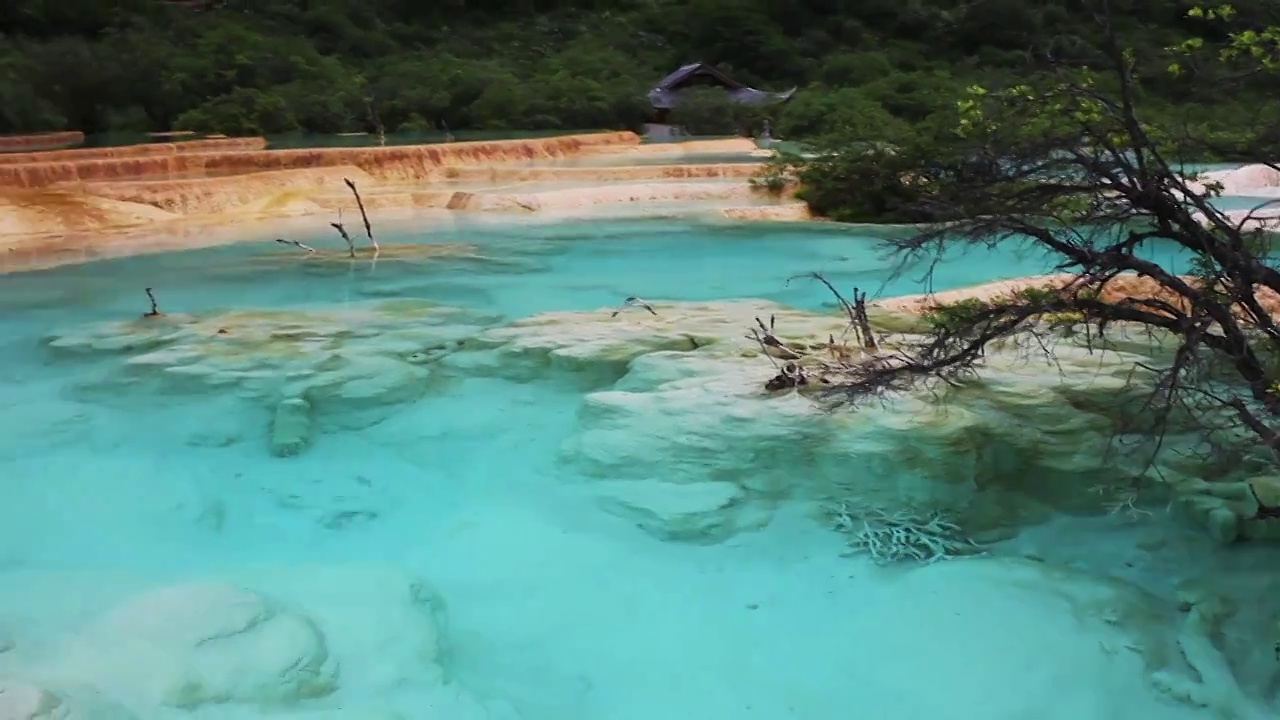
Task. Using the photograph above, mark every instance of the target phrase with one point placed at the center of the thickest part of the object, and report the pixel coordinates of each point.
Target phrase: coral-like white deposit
(905, 535)
(291, 642)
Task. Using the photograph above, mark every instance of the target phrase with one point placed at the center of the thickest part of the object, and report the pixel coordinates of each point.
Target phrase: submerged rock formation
(594, 340)
(347, 364)
(1233, 511)
(1201, 673)
(679, 396)
(699, 512)
(191, 645)
(369, 641)
(24, 700)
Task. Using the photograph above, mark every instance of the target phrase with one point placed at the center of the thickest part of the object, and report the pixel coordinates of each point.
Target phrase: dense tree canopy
(871, 67)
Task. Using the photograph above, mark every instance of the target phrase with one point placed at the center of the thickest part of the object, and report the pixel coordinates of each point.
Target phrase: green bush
(711, 112)
(241, 112)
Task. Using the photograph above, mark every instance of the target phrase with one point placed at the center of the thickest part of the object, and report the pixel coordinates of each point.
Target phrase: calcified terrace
(64, 205)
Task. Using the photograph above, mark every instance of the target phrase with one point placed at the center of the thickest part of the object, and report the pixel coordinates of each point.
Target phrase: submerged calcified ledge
(678, 388)
(676, 435)
(320, 641)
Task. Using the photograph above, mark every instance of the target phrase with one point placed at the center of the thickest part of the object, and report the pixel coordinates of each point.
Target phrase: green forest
(873, 67)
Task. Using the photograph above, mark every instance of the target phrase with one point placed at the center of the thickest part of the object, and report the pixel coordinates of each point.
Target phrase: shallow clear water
(1244, 202)
(556, 608)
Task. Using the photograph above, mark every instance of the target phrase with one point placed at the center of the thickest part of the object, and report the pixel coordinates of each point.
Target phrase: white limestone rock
(703, 415)
(385, 627)
(705, 512)
(334, 640)
(1228, 510)
(352, 355)
(580, 341)
(1261, 530)
(1212, 682)
(24, 700)
(190, 645)
(388, 630)
(695, 416)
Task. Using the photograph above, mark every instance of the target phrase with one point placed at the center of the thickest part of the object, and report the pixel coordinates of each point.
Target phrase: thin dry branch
(342, 230)
(301, 246)
(155, 309)
(376, 121)
(368, 229)
(856, 310)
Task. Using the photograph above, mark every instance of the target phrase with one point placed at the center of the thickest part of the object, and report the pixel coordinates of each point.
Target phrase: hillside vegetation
(873, 67)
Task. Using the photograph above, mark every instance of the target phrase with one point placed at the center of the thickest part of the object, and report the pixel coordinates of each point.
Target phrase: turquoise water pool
(457, 502)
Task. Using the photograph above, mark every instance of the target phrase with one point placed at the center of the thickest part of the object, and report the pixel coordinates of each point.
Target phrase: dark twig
(155, 309)
(863, 322)
(856, 310)
(342, 230)
(368, 230)
(634, 302)
(767, 340)
(377, 122)
(755, 335)
(789, 376)
(296, 244)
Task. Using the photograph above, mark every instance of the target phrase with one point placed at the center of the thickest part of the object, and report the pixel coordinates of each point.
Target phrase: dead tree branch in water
(368, 229)
(376, 121)
(791, 374)
(295, 243)
(768, 340)
(342, 230)
(864, 322)
(155, 310)
(856, 310)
